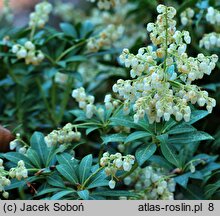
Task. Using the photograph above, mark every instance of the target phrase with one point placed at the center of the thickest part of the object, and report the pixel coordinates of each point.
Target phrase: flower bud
(112, 184)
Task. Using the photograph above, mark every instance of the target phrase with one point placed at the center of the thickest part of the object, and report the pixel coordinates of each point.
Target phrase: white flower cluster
(164, 89)
(19, 172)
(28, 52)
(105, 38)
(41, 15)
(210, 41)
(85, 102)
(151, 184)
(213, 16)
(4, 181)
(110, 103)
(107, 4)
(62, 136)
(18, 145)
(186, 16)
(115, 162)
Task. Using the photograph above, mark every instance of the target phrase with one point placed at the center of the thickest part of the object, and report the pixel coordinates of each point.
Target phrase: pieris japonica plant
(165, 89)
(84, 132)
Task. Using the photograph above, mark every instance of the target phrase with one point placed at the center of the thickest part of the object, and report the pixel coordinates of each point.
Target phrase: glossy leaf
(137, 135)
(85, 168)
(144, 152)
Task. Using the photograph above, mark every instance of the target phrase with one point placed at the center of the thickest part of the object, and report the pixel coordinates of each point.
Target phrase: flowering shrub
(101, 112)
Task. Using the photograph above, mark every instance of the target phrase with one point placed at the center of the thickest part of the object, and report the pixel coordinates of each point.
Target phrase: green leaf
(190, 137)
(113, 193)
(61, 194)
(210, 189)
(35, 159)
(197, 175)
(21, 184)
(123, 122)
(144, 152)
(55, 180)
(47, 191)
(38, 144)
(137, 135)
(197, 115)
(168, 125)
(183, 179)
(77, 112)
(52, 151)
(181, 128)
(114, 138)
(194, 192)
(84, 194)
(15, 157)
(67, 173)
(66, 159)
(16, 184)
(68, 29)
(85, 168)
(160, 161)
(168, 151)
(204, 158)
(91, 129)
(86, 28)
(77, 58)
(99, 180)
(209, 168)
